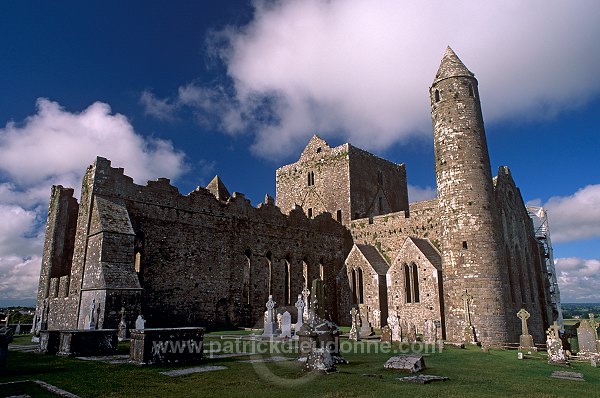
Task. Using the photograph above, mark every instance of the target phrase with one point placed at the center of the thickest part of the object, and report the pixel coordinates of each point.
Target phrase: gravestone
(406, 363)
(306, 295)
(91, 324)
(525, 340)
(556, 354)
(270, 326)
(18, 328)
(411, 332)
(386, 334)
(286, 325)
(122, 329)
(140, 323)
(365, 325)
(319, 337)
(278, 321)
(430, 332)
(354, 330)
(587, 337)
(300, 307)
(394, 324)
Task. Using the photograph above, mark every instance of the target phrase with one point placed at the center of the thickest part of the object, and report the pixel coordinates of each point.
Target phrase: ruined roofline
(109, 178)
(347, 147)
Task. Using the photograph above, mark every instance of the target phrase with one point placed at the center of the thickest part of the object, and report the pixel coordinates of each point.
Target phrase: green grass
(472, 373)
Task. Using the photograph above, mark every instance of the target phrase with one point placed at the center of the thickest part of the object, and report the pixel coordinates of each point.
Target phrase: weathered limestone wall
(410, 309)
(377, 186)
(201, 261)
(527, 284)
(345, 181)
(327, 191)
(471, 240)
(57, 256)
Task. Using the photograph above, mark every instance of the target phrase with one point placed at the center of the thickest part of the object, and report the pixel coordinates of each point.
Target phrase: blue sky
(188, 90)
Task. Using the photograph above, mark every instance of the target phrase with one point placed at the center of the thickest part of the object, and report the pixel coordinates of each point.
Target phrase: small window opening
(311, 178)
(339, 216)
(310, 212)
(319, 150)
(138, 262)
(465, 245)
(380, 177)
(470, 90)
(437, 95)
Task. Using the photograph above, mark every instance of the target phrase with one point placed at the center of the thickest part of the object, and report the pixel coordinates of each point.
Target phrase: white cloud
(418, 194)
(361, 69)
(55, 146)
(158, 108)
(578, 279)
(575, 216)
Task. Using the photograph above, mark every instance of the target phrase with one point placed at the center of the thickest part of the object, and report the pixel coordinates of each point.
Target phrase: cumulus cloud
(575, 216)
(418, 194)
(578, 279)
(360, 69)
(54, 146)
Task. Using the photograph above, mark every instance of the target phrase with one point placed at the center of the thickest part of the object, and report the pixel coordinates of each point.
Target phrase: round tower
(474, 302)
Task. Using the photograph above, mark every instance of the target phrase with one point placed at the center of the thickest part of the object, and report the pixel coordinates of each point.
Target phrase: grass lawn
(472, 373)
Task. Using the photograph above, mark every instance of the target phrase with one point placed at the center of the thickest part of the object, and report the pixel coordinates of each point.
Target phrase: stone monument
(376, 318)
(300, 307)
(306, 295)
(122, 329)
(91, 325)
(354, 332)
(525, 340)
(587, 336)
(394, 324)
(365, 325)
(286, 325)
(556, 354)
(270, 325)
(140, 323)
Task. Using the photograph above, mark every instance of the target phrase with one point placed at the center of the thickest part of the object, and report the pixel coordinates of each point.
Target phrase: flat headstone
(406, 363)
(267, 359)
(423, 379)
(559, 374)
(197, 369)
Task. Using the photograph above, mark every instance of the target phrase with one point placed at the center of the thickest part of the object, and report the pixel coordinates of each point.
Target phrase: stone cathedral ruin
(467, 260)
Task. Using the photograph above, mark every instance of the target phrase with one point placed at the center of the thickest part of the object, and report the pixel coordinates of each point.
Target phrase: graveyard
(472, 372)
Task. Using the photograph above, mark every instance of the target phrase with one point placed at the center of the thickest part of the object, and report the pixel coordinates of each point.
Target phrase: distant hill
(5, 303)
(580, 310)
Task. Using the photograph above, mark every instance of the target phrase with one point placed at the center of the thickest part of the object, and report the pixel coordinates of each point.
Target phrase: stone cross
(91, 324)
(466, 300)
(300, 306)
(523, 315)
(306, 295)
(270, 326)
(555, 330)
(270, 305)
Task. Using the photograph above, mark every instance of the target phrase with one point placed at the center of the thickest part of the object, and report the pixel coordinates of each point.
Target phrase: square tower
(345, 181)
